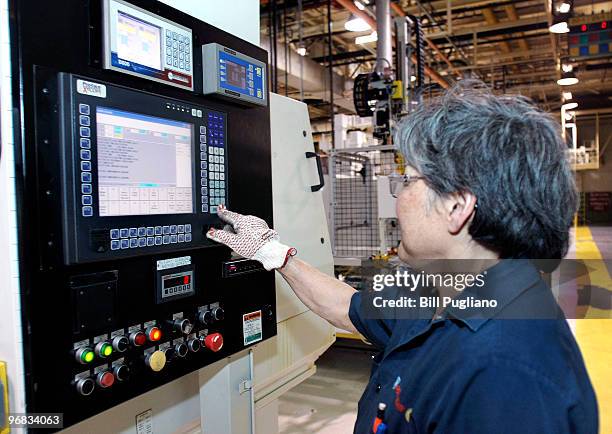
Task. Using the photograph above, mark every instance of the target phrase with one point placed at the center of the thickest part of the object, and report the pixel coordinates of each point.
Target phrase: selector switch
(103, 349)
(181, 349)
(85, 386)
(182, 326)
(218, 313)
(105, 379)
(120, 343)
(214, 342)
(138, 339)
(205, 317)
(194, 345)
(121, 372)
(156, 360)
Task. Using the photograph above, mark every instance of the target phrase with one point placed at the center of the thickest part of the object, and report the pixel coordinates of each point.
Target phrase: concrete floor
(326, 403)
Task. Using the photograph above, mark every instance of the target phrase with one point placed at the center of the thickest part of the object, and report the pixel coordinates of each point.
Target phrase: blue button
(158, 230)
(142, 242)
(204, 182)
(202, 155)
(86, 199)
(133, 243)
(203, 165)
(150, 231)
(203, 173)
(166, 239)
(204, 206)
(188, 227)
(114, 234)
(173, 238)
(187, 238)
(150, 241)
(166, 230)
(84, 109)
(86, 166)
(173, 229)
(87, 211)
(158, 240)
(125, 233)
(85, 143)
(133, 232)
(86, 188)
(125, 243)
(180, 229)
(84, 120)
(115, 245)
(142, 232)
(85, 154)
(181, 238)
(85, 132)
(86, 177)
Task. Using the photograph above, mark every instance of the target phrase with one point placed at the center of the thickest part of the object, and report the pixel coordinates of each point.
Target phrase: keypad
(178, 51)
(132, 238)
(212, 164)
(85, 163)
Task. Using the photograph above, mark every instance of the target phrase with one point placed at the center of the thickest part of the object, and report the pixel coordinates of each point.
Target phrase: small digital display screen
(138, 41)
(144, 164)
(236, 74)
(171, 282)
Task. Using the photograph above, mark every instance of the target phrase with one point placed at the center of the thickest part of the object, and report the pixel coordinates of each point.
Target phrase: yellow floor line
(594, 336)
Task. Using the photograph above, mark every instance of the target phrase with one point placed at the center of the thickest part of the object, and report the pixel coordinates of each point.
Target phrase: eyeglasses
(397, 182)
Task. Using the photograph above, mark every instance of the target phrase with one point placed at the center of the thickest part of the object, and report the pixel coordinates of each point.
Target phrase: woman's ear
(460, 207)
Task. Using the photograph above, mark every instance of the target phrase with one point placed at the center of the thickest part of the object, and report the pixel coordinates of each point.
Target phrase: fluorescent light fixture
(567, 67)
(356, 24)
(570, 105)
(567, 81)
(359, 5)
(372, 37)
(565, 7)
(301, 51)
(559, 27)
(567, 96)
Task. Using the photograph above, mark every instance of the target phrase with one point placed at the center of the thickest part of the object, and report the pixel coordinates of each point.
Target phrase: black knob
(182, 325)
(85, 386)
(218, 313)
(181, 349)
(194, 345)
(122, 372)
(120, 343)
(205, 317)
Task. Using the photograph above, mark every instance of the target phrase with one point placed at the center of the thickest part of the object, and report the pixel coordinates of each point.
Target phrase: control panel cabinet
(122, 160)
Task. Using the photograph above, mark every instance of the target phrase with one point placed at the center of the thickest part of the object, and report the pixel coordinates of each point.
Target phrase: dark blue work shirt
(471, 375)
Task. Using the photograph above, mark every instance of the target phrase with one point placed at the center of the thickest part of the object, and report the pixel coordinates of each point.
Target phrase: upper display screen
(144, 164)
(138, 41)
(236, 74)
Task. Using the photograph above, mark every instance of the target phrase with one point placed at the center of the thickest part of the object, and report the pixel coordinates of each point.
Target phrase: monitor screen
(236, 74)
(144, 164)
(138, 41)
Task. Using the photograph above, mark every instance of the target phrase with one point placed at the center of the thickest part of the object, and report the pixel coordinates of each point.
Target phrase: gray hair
(506, 152)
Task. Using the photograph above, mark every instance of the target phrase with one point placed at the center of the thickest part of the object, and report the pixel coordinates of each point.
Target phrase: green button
(106, 350)
(88, 356)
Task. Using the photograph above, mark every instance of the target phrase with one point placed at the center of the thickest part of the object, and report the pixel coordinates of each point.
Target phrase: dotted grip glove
(250, 237)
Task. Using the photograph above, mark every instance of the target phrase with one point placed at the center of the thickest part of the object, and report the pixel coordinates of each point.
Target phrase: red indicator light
(154, 333)
(186, 280)
(140, 339)
(604, 25)
(583, 27)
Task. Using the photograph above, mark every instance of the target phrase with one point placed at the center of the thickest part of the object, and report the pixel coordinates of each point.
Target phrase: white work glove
(250, 237)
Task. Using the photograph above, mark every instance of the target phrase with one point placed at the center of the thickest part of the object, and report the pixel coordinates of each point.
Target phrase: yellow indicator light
(107, 350)
(88, 356)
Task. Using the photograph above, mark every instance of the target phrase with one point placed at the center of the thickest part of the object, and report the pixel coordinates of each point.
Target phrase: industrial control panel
(124, 155)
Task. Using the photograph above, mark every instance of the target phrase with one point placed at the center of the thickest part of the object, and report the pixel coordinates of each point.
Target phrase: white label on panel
(173, 262)
(91, 89)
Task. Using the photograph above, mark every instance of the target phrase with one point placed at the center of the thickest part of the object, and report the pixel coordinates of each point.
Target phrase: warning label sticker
(251, 327)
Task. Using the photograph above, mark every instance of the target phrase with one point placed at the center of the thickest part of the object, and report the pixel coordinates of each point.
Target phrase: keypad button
(169, 60)
(188, 227)
(84, 120)
(84, 109)
(158, 230)
(203, 165)
(115, 245)
(222, 184)
(142, 232)
(222, 176)
(204, 199)
(221, 160)
(221, 151)
(166, 230)
(85, 132)
(202, 129)
(158, 240)
(125, 233)
(173, 229)
(86, 166)
(142, 242)
(210, 159)
(114, 234)
(133, 232)
(212, 201)
(133, 243)
(166, 239)
(181, 238)
(180, 229)
(204, 191)
(150, 241)
(125, 243)
(205, 207)
(86, 199)
(85, 154)
(203, 173)
(216, 151)
(85, 143)
(86, 177)
(175, 63)
(203, 182)
(187, 238)
(150, 231)
(202, 147)
(173, 239)
(222, 201)
(202, 138)
(213, 210)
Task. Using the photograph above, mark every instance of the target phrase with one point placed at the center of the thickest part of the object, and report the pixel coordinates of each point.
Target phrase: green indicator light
(87, 356)
(107, 350)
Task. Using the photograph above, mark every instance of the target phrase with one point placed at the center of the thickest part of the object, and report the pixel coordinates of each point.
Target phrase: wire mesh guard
(357, 231)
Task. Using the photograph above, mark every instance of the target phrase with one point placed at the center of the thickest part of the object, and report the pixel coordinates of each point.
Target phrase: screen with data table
(144, 164)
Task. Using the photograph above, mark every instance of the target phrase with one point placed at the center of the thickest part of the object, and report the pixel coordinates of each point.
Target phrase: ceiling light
(413, 78)
(567, 96)
(570, 105)
(565, 7)
(567, 79)
(356, 24)
(560, 27)
(301, 51)
(359, 5)
(567, 67)
(372, 37)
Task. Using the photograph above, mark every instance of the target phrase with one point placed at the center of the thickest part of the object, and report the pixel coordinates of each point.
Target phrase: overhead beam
(537, 22)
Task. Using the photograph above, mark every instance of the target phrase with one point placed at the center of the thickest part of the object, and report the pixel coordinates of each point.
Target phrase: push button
(156, 361)
(87, 211)
(125, 233)
(85, 143)
(114, 234)
(84, 109)
(105, 379)
(85, 386)
(115, 245)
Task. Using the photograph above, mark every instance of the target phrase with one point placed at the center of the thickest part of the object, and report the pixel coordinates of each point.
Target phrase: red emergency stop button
(105, 379)
(214, 342)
